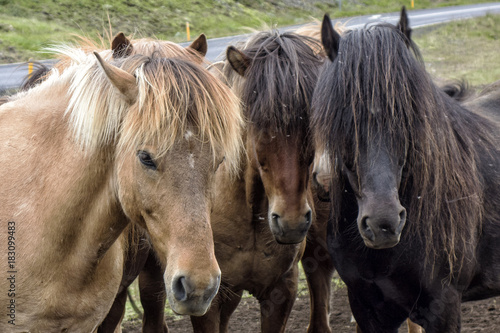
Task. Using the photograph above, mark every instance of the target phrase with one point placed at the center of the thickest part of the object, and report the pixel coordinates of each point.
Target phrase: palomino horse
(99, 145)
(415, 188)
(139, 255)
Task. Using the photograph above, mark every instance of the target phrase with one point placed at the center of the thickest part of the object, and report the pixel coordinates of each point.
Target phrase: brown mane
(270, 83)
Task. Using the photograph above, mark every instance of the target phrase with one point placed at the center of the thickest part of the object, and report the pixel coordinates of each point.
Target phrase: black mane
(377, 86)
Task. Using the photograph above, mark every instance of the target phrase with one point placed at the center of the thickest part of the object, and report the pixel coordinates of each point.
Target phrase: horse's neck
(61, 198)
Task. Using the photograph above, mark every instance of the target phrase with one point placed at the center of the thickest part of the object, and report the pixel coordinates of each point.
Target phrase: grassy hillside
(28, 26)
(463, 49)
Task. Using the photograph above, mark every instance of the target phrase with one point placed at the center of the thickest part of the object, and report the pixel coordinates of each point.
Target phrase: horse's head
(275, 78)
(361, 124)
(168, 194)
(375, 180)
(177, 126)
(283, 166)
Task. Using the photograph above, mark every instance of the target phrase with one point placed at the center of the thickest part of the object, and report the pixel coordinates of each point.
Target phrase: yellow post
(412, 3)
(30, 68)
(187, 31)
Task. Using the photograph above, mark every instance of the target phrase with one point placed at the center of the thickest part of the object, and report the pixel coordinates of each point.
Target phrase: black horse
(415, 221)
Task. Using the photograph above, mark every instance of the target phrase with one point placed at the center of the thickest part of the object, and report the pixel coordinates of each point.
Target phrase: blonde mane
(174, 95)
(144, 46)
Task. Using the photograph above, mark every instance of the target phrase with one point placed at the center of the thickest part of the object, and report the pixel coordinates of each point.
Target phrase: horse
(487, 99)
(140, 258)
(415, 193)
(89, 151)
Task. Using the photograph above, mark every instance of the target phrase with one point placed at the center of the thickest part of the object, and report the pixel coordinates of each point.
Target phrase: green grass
(24, 38)
(463, 49)
(28, 26)
(354, 8)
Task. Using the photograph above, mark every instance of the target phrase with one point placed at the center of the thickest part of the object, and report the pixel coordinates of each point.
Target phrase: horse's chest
(385, 281)
(254, 258)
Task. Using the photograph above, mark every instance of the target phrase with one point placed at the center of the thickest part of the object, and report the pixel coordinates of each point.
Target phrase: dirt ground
(480, 316)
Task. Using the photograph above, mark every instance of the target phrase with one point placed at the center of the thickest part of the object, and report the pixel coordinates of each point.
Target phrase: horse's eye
(218, 165)
(146, 159)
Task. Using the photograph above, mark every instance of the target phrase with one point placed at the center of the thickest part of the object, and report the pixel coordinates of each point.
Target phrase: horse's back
(487, 102)
(487, 282)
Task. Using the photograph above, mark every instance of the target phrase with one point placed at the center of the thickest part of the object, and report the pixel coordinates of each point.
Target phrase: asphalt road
(12, 75)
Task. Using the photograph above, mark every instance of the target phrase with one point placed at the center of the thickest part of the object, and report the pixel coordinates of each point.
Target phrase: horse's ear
(239, 61)
(199, 45)
(330, 38)
(123, 81)
(121, 46)
(404, 26)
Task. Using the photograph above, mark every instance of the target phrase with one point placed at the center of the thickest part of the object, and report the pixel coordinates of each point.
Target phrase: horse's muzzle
(186, 297)
(382, 232)
(286, 232)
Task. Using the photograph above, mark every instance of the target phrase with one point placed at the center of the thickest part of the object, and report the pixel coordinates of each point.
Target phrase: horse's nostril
(365, 229)
(364, 224)
(181, 288)
(308, 217)
(275, 218)
(402, 215)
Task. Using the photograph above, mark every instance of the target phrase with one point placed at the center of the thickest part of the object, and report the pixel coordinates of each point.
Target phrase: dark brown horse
(415, 221)
(270, 204)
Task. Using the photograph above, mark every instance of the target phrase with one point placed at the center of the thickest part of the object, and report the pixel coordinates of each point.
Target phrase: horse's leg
(152, 290)
(210, 321)
(276, 304)
(442, 314)
(231, 301)
(319, 269)
(115, 315)
(412, 327)
(136, 256)
(365, 323)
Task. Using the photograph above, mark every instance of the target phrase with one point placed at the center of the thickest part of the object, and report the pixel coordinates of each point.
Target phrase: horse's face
(170, 196)
(375, 181)
(283, 165)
